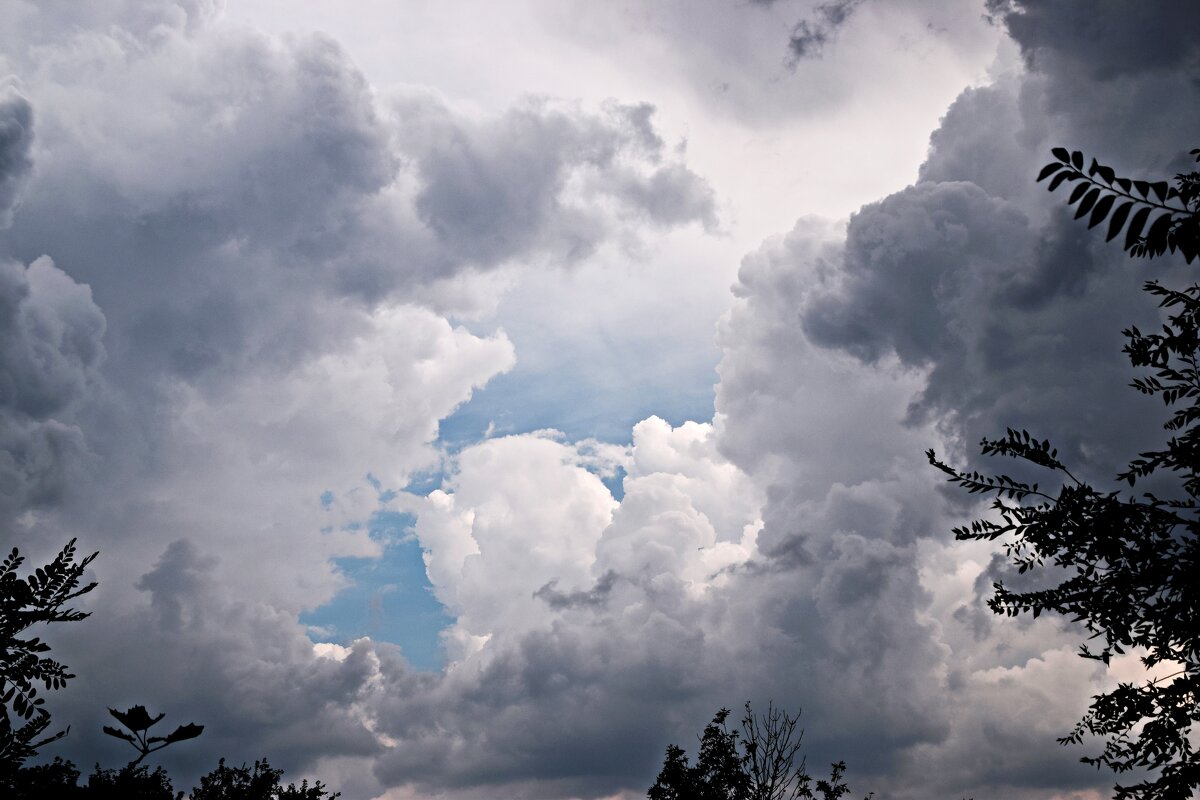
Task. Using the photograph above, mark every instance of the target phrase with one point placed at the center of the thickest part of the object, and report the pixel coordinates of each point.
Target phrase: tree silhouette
(25, 602)
(759, 762)
(1133, 562)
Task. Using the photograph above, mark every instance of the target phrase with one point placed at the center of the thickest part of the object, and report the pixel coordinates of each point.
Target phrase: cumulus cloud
(265, 236)
(575, 614)
(490, 192)
(237, 332)
(953, 308)
(50, 352)
(243, 669)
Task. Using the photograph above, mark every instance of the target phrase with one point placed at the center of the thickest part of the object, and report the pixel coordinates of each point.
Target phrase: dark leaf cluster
(27, 601)
(258, 783)
(59, 780)
(1100, 194)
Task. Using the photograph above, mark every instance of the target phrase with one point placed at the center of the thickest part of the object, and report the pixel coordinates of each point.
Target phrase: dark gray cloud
(217, 233)
(596, 596)
(496, 191)
(1118, 78)
(16, 138)
(809, 36)
(671, 195)
(1013, 307)
(238, 667)
(50, 353)
(1010, 321)
(1105, 40)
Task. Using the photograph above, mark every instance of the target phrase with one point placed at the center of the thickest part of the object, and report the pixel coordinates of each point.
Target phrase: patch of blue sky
(583, 401)
(389, 598)
(424, 482)
(615, 483)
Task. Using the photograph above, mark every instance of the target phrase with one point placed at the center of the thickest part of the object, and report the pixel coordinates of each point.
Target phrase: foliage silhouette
(40, 597)
(1133, 563)
(139, 722)
(261, 783)
(25, 602)
(1131, 203)
(759, 762)
(57, 779)
(131, 782)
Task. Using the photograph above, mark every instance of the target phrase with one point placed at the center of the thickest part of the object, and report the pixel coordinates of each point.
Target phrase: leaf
(1160, 188)
(1047, 171)
(1086, 204)
(189, 731)
(1143, 187)
(1061, 154)
(1101, 210)
(1077, 159)
(136, 718)
(119, 734)
(1118, 221)
(1065, 175)
(1156, 237)
(1135, 227)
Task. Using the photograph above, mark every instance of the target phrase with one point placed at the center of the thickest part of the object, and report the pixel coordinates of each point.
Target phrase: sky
(468, 399)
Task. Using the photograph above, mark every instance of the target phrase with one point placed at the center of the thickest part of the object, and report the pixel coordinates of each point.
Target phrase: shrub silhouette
(131, 782)
(259, 783)
(759, 762)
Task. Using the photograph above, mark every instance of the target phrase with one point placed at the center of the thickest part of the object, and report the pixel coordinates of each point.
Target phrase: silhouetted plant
(259, 783)
(139, 722)
(25, 602)
(40, 597)
(1100, 192)
(57, 780)
(757, 763)
(131, 782)
(1133, 563)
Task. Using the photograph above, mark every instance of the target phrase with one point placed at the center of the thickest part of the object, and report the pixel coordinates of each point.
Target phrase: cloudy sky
(468, 399)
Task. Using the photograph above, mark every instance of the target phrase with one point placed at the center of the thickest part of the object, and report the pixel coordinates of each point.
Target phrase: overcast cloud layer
(247, 284)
